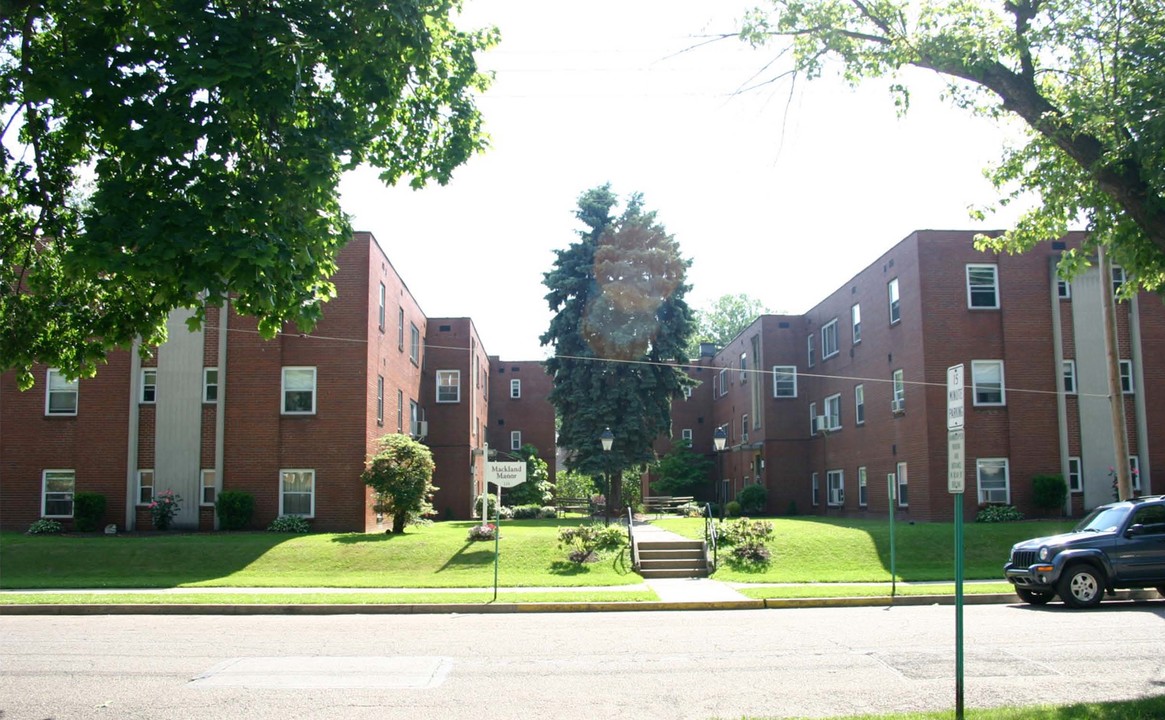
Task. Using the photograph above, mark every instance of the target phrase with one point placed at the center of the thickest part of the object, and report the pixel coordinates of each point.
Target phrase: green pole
(890, 481)
(958, 606)
(497, 540)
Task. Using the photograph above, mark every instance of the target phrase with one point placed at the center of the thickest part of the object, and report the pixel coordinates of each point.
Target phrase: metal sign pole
(956, 484)
(891, 479)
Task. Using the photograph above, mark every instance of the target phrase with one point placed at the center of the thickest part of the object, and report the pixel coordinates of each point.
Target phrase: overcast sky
(783, 192)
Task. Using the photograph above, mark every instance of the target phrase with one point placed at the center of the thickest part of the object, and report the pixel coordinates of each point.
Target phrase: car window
(1152, 517)
(1104, 519)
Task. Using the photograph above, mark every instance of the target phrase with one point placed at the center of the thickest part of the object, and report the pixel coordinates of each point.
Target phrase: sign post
(956, 484)
(502, 474)
(891, 482)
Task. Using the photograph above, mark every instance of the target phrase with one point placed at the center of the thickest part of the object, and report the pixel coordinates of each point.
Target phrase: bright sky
(783, 193)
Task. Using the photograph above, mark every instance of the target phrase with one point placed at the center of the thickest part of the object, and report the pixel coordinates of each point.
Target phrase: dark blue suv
(1119, 545)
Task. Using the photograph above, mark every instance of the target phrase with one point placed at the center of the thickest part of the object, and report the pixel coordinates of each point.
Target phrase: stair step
(686, 573)
(696, 554)
(673, 562)
(670, 545)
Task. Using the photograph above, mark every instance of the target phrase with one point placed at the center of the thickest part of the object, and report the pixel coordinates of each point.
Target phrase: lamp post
(719, 438)
(608, 439)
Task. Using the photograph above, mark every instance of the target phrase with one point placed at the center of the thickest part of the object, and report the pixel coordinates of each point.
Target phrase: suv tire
(1034, 597)
(1081, 586)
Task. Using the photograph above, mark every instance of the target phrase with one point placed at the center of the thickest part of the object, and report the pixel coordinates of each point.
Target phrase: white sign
(955, 397)
(956, 462)
(505, 474)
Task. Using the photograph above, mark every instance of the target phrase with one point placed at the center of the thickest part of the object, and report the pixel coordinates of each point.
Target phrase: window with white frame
(743, 368)
(149, 387)
(210, 385)
(414, 419)
(400, 411)
(809, 350)
(992, 476)
(57, 489)
(892, 296)
(515, 439)
(60, 395)
(859, 404)
(855, 317)
(1069, 371)
(400, 328)
(1075, 479)
(1126, 367)
(687, 392)
(987, 382)
(1135, 472)
(785, 381)
(723, 380)
(380, 400)
(982, 287)
(145, 487)
(902, 481)
(863, 491)
(835, 485)
(898, 401)
(1118, 278)
(299, 390)
(833, 412)
(744, 428)
(812, 418)
(686, 434)
(380, 312)
(448, 386)
(414, 344)
(829, 339)
(207, 487)
(515, 388)
(816, 491)
(297, 492)
(1063, 289)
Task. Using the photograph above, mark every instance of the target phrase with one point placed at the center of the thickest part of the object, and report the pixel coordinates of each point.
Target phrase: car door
(1141, 551)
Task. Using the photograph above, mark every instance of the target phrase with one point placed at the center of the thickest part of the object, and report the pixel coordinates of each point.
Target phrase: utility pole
(1116, 399)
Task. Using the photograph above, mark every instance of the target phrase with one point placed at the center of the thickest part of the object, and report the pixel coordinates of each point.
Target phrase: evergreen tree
(620, 323)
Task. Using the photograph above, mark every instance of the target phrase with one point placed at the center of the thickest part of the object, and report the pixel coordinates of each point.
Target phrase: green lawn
(1150, 708)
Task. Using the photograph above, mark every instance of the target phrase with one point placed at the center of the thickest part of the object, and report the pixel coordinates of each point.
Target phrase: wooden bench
(576, 505)
(665, 504)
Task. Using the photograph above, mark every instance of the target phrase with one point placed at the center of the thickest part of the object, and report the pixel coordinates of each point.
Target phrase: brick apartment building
(871, 360)
(520, 411)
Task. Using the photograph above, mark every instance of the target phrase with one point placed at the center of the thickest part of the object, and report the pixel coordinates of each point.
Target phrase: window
(744, 428)
(414, 419)
(812, 418)
(785, 381)
(686, 434)
(1069, 371)
(902, 480)
(145, 487)
(743, 368)
(892, 292)
(993, 482)
(400, 329)
(987, 382)
(809, 350)
(1075, 481)
(209, 385)
(1063, 289)
(863, 492)
(833, 412)
(855, 317)
(149, 385)
(414, 344)
(297, 492)
(859, 404)
(1135, 472)
(208, 488)
(57, 495)
(1126, 376)
(515, 439)
(515, 389)
(380, 308)
(60, 398)
(687, 392)
(723, 378)
(835, 484)
(829, 339)
(982, 287)
(898, 403)
(1118, 278)
(299, 390)
(448, 386)
(816, 491)
(380, 400)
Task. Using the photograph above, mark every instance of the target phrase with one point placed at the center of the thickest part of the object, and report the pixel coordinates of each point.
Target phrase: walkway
(681, 590)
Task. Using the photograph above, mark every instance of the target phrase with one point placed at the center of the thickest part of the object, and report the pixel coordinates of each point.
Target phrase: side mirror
(1134, 530)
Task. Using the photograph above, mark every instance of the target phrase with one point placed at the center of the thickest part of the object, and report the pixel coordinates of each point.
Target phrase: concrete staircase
(671, 558)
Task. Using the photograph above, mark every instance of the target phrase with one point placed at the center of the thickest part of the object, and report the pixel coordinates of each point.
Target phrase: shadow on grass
(462, 559)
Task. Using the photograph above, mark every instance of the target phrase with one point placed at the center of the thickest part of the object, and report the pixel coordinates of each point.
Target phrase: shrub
(1049, 492)
(479, 533)
(732, 508)
(547, 512)
(234, 509)
(690, 510)
(744, 531)
(45, 527)
(506, 512)
(998, 514)
(165, 506)
(88, 511)
(751, 553)
(527, 512)
(289, 524)
(401, 476)
(491, 506)
(752, 499)
(586, 541)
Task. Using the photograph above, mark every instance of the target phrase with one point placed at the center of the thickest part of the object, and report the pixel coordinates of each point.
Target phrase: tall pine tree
(620, 324)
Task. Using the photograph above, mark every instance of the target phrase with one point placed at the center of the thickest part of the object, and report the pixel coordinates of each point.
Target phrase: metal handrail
(710, 535)
(631, 538)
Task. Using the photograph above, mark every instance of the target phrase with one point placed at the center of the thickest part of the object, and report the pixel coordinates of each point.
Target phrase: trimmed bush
(1049, 492)
(744, 531)
(751, 553)
(998, 514)
(289, 524)
(752, 499)
(234, 509)
(88, 511)
(45, 527)
(586, 541)
(527, 512)
(732, 508)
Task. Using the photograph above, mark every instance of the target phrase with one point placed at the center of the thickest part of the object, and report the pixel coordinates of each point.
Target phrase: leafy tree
(573, 484)
(681, 471)
(620, 322)
(401, 475)
(169, 155)
(537, 489)
(1086, 76)
(723, 320)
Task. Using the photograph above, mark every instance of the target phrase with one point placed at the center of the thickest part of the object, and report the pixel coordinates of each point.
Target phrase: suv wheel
(1034, 597)
(1081, 586)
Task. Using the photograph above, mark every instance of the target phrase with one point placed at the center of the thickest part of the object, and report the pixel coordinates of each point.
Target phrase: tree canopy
(401, 475)
(620, 325)
(167, 155)
(723, 320)
(1086, 76)
(681, 471)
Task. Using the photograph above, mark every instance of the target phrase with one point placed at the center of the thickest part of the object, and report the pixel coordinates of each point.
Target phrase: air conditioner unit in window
(421, 429)
(820, 424)
(898, 405)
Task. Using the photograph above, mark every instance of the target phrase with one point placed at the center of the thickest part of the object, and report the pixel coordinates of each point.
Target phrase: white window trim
(785, 372)
(744, 428)
(70, 387)
(456, 374)
(312, 492)
(898, 390)
(1068, 372)
(855, 318)
(975, 384)
(829, 330)
(202, 486)
(1063, 289)
(1135, 472)
(382, 309)
(1006, 480)
(44, 494)
(835, 494)
(833, 402)
(515, 389)
(894, 301)
(902, 480)
(414, 344)
(207, 384)
(283, 390)
(863, 487)
(400, 328)
(994, 285)
(860, 404)
(686, 434)
(380, 400)
(809, 351)
(515, 439)
(1119, 278)
(1130, 387)
(812, 419)
(142, 472)
(1077, 473)
(723, 381)
(151, 372)
(816, 490)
